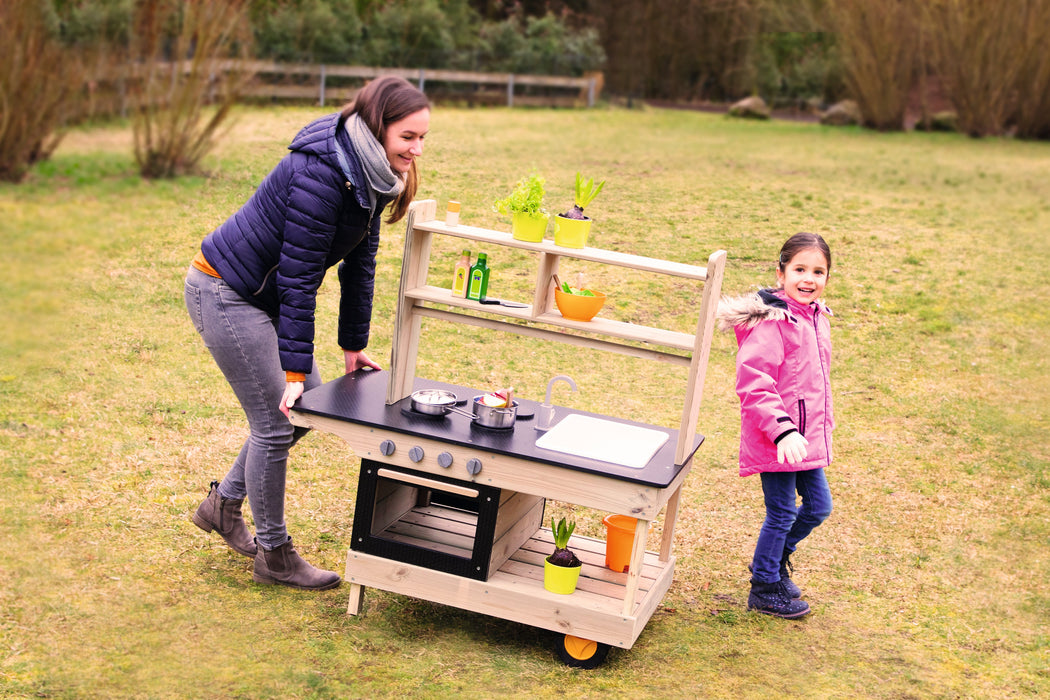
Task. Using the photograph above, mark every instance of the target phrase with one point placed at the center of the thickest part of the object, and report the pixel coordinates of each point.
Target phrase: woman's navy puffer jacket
(308, 214)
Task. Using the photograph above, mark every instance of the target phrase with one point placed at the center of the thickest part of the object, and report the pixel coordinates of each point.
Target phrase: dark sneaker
(773, 599)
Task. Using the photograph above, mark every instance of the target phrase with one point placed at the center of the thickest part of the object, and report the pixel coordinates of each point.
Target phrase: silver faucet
(546, 412)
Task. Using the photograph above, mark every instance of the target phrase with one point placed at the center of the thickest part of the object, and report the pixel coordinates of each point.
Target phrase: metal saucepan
(436, 402)
(491, 417)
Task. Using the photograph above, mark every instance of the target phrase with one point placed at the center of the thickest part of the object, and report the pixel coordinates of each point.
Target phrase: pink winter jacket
(782, 377)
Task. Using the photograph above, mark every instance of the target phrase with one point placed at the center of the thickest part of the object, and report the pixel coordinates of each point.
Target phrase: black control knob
(445, 460)
(387, 447)
(416, 454)
(473, 466)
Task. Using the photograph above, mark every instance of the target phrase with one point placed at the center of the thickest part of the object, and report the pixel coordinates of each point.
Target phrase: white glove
(792, 448)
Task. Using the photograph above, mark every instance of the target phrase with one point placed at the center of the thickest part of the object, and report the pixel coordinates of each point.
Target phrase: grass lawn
(930, 579)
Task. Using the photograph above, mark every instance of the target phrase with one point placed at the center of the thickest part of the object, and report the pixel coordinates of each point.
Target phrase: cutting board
(604, 440)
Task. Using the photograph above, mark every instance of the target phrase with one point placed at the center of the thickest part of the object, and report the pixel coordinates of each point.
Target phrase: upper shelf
(609, 257)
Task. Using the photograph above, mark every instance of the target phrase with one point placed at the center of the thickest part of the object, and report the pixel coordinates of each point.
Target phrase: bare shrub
(36, 77)
(180, 49)
(685, 49)
(879, 42)
(978, 49)
(1032, 112)
(97, 32)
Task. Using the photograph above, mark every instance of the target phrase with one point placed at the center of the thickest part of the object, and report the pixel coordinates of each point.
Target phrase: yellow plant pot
(560, 579)
(571, 233)
(529, 227)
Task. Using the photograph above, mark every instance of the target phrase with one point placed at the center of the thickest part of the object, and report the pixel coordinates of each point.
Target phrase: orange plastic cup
(619, 541)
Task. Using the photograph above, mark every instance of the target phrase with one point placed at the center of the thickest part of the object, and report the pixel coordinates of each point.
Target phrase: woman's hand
(356, 359)
(292, 392)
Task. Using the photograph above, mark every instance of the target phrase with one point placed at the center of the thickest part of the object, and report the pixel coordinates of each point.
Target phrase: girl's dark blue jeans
(787, 524)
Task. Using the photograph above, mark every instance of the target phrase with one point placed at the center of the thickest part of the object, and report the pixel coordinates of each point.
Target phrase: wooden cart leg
(670, 518)
(357, 597)
(634, 568)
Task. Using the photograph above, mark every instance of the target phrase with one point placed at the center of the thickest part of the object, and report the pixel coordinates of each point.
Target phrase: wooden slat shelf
(606, 257)
(515, 592)
(451, 531)
(597, 325)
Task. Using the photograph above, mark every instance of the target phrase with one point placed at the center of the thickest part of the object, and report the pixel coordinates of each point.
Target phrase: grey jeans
(243, 341)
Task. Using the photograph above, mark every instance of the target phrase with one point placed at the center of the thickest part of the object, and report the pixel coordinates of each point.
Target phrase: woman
(252, 289)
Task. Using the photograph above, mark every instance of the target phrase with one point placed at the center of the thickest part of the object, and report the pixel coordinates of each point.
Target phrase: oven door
(425, 519)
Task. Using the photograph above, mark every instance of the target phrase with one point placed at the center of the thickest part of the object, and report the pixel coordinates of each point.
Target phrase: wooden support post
(357, 597)
(634, 569)
(716, 264)
(670, 517)
(543, 298)
(407, 325)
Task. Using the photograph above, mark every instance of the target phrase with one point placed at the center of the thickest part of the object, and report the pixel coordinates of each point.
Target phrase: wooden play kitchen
(453, 512)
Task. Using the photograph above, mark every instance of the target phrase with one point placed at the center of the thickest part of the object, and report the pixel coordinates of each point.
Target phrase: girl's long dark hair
(381, 103)
(803, 241)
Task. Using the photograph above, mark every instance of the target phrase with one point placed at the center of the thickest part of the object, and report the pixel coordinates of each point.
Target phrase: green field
(930, 579)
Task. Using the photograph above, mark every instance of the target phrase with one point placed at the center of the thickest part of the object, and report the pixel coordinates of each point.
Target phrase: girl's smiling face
(804, 276)
(403, 141)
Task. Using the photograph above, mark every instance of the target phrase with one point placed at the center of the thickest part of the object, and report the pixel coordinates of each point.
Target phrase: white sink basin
(604, 440)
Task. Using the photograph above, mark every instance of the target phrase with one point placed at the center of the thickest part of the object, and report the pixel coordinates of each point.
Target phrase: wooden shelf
(606, 257)
(597, 325)
(595, 610)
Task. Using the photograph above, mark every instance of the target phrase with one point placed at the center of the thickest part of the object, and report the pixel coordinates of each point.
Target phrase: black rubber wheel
(581, 653)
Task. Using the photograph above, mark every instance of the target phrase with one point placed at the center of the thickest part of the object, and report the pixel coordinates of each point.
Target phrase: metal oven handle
(427, 483)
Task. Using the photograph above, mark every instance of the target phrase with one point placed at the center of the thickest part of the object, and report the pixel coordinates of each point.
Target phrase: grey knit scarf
(382, 180)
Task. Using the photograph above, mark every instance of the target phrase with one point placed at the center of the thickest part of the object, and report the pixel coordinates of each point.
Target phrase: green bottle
(478, 285)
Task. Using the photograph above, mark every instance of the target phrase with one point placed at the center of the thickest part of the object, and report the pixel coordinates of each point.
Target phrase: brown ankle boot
(224, 516)
(284, 566)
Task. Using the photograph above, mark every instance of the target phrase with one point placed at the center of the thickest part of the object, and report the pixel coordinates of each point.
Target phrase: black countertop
(360, 398)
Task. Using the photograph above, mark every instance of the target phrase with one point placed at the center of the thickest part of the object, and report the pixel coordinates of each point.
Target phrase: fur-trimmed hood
(750, 309)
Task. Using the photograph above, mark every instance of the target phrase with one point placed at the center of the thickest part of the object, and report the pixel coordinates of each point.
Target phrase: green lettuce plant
(526, 198)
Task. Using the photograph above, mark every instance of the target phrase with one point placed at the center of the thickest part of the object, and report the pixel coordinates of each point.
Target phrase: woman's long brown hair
(381, 103)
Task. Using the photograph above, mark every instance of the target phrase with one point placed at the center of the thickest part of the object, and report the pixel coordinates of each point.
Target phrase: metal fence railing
(568, 89)
(337, 84)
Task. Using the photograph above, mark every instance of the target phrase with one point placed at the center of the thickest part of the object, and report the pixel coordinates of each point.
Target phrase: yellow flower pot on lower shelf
(560, 579)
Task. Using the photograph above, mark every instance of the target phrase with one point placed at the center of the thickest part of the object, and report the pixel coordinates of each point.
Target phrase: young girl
(786, 417)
